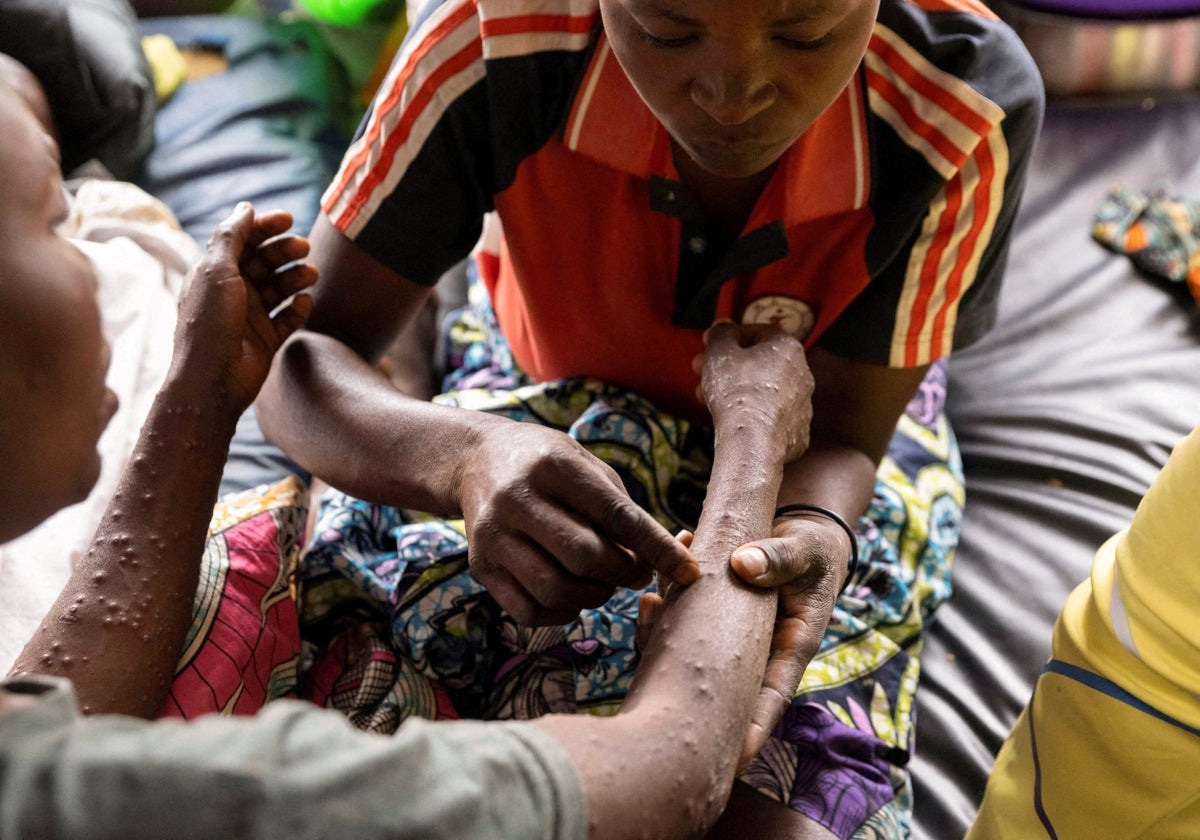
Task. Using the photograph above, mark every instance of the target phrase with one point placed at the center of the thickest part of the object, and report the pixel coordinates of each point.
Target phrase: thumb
(229, 236)
(769, 563)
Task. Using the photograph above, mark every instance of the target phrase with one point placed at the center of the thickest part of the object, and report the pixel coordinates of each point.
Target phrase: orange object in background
(1193, 276)
(387, 51)
(1136, 238)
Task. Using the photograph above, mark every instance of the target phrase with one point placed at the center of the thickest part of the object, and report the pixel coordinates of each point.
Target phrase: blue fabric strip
(1105, 686)
(1038, 806)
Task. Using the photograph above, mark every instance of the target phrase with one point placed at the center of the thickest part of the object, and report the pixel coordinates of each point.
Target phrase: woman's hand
(806, 560)
(551, 528)
(228, 331)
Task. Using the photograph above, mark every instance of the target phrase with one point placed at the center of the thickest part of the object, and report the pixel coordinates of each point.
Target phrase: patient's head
(28, 88)
(53, 357)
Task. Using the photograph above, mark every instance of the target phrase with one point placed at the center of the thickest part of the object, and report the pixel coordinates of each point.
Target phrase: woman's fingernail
(686, 573)
(647, 611)
(753, 561)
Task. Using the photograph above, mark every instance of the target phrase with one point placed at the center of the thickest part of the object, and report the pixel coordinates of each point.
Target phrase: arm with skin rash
(701, 671)
(855, 410)
(117, 628)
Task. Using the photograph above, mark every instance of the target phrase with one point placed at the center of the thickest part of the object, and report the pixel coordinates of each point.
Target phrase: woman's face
(736, 82)
(53, 356)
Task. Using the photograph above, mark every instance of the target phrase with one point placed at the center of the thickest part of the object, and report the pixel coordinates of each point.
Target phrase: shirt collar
(825, 173)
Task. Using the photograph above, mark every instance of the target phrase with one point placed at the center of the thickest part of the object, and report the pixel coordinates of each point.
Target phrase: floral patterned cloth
(396, 625)
(1158, 232)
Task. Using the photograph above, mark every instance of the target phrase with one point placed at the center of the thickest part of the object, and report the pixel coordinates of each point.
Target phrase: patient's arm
(118, 627)
(664, 766)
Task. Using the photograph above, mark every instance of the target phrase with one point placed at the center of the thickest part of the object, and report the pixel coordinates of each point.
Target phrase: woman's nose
(733, 94)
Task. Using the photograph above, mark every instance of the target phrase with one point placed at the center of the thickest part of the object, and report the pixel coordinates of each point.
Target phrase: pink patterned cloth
(244, 646)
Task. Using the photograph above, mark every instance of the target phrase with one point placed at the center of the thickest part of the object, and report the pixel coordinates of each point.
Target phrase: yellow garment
(1109, 746)
(166, 64)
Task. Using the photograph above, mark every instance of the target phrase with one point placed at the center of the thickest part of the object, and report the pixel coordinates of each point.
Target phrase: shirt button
(697, 245)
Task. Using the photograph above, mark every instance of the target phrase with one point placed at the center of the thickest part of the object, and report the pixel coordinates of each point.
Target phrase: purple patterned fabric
(1114, 9)
(841, 779)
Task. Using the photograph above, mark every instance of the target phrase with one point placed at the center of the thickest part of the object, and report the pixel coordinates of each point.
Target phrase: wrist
(843, 548)
(753, 433)
(460, 451)
(205, 406)
(201, 383)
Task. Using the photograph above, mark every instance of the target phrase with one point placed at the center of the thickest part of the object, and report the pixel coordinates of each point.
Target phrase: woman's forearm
(343, 420)
(836, 476)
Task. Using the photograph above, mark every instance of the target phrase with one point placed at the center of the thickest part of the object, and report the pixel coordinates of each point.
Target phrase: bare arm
(329, 407)
(665, 765)
(117, 628)
(550, 527)
(855, 411)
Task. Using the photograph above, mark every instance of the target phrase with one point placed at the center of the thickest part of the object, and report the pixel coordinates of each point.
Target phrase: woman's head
(53, 357)
(736, 82)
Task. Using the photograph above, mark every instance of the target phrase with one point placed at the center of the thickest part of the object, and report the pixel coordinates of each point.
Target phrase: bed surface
(1064, 413)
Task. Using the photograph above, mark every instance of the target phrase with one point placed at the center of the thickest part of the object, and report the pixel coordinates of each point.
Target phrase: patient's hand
(227, 334)
(757, 374)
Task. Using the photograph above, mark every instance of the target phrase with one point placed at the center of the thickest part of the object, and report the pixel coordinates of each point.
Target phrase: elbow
(291, 366)
(710, 797)
(696, 784)
(695, 806)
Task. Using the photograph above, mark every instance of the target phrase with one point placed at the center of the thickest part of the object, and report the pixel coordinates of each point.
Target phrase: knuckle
(544, 586)
(510, 495)
(483, 526)
(621, 516)
(786, 554)
(624, 520)
(579, 552)
(555, 457)
(611, 474)
(572, 453)
(222, 233)
(213, 270)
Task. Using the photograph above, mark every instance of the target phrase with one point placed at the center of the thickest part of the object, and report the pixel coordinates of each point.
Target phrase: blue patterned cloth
(398, 627)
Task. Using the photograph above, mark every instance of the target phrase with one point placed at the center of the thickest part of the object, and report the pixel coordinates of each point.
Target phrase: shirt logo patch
(793, 316)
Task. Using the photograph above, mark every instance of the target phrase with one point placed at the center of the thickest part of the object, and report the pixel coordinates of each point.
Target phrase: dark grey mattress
(1064, 413)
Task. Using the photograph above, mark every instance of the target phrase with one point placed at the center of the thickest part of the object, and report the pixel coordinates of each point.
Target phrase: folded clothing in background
(1159, 233)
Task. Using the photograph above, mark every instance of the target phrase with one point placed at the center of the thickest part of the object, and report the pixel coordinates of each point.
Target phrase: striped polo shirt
(880, 237)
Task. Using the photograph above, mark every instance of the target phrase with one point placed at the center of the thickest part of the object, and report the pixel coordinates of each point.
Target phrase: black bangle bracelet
(852, 565)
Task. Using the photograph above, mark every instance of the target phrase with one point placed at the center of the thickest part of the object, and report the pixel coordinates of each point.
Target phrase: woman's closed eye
(669, 43)
(798, 44)
(805, 44)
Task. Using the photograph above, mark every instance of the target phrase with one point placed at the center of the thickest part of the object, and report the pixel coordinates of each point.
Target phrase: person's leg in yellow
(1109, 745)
